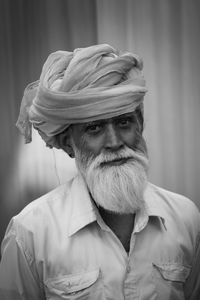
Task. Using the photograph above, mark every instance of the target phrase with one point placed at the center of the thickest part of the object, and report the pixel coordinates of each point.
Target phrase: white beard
(117, 188)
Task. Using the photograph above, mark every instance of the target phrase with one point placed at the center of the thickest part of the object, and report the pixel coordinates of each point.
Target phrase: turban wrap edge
(85, 85)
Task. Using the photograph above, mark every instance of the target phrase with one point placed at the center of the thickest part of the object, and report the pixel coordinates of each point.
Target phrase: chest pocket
(87, 285)
(169, 280)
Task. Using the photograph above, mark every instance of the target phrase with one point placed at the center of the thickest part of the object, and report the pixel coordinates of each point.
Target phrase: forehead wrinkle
(105, 121)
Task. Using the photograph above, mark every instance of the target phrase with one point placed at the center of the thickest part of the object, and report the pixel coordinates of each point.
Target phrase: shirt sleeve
(192, 287)
(17, 278)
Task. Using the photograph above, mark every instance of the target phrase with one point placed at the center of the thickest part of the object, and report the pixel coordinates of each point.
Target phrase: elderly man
(108, 233)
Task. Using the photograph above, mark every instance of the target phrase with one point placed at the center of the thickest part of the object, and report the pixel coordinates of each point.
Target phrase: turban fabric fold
(85, 85)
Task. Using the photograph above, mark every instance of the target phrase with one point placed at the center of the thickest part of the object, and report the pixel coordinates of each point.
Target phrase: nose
(113, 140)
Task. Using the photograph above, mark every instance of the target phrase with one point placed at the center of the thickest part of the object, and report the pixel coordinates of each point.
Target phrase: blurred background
(165, 33)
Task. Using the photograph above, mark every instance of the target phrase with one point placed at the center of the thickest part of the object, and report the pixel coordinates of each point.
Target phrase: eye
(124, 123)
(93, 128)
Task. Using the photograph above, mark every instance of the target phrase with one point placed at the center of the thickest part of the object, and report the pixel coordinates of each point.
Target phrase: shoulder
(177, 210)
(174, 201)
(45, 210)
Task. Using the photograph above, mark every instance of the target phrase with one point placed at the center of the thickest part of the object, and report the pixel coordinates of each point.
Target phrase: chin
(116, 181)
(118, 189)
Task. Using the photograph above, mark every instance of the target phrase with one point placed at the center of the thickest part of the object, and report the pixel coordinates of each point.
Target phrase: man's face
(110, 135)
(111, 156)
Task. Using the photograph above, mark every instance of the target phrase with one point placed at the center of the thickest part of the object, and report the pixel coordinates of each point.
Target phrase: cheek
(132, 139)
(90, 147)
(92, 144)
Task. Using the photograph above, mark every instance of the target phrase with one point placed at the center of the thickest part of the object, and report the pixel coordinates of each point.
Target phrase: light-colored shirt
(59, 247)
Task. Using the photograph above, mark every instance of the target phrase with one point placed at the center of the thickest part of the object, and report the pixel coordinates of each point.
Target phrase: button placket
(128, 268)
(130, 254)
(132, 244)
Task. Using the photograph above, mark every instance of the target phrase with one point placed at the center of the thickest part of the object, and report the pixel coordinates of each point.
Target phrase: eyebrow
(104, 121)
(127, 115)
(95, 122)
(124, 116)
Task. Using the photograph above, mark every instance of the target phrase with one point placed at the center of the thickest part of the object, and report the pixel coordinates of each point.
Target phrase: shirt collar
(84, 210)
(153, 204)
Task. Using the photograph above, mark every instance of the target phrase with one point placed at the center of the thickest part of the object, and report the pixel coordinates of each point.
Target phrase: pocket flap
(73, 283)
(173, 272)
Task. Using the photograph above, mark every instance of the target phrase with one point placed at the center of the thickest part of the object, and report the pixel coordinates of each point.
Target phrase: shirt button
(68, 284)
(128, 269)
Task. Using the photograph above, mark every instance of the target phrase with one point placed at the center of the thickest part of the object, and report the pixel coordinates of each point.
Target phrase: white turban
(85, 85)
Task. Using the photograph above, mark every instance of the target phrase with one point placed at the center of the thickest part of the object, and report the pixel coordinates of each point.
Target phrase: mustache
(126, 154)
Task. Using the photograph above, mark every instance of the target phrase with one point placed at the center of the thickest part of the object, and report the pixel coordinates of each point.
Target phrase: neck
(121, 224)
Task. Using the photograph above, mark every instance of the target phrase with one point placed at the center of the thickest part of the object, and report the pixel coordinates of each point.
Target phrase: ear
(64, 141)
